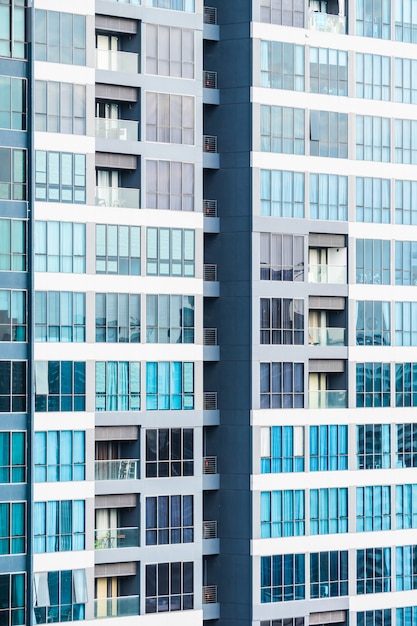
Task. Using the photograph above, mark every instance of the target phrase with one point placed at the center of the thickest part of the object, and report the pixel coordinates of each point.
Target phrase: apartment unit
(207, 315)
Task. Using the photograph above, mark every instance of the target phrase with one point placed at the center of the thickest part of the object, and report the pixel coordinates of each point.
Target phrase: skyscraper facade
(207, 315)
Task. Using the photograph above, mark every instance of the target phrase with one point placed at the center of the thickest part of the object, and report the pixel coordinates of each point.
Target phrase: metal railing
(326, 336)
(210, 272)
(327, 399)
(210, 400)
(122, 469)
(210, 465)
(210, 336)
(209, 594)
(116, 538)
(210, 143)
(118, 197)
(210, 15)
(116, 607)
(210, 530)
(117, 61)
(125, 130)
(210, 208)
(336, 274)
(209, 79)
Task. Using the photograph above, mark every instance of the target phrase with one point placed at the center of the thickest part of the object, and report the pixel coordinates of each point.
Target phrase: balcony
(209, 594)
(329, 274)
(116, 538)
(135, 2)
(210, 401)
(210, 144)
(328, 399)
(122, 469)
(327, 336)
(210, 15)
(116, 607)
(210, 336)
(326, 22)
(123, 130)
(210, 208)
(210, 465)
(117, 61)
(210, 272)
(209, 79)
(210, 530)
(118, 197)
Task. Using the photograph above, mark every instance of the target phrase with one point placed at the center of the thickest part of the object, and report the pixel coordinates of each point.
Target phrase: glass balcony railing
(118, 197)
(122, 469)
(327, 336)
(334, 274)
(116, 538)
(334, 399)
(117, 61)
(326, 22)
(116, 607)
(124, 130)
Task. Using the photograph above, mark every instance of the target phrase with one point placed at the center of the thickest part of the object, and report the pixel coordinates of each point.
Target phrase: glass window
(373, 261)
(329, 134)
(117, 249)
(59, 316)
(373, 384)
(328, 511)
(170, 51)
(379, 617)
(60, 177)
(169, 587)
(12, 528)
(406, 616)
(275, 12)
(169, 452)
(12, 315)
(169, 386)
(13, 595)
(328, 197)
(175, 5)
(328, 574)
(373, 138)
(282, 193)
(328, 448)
(406, 568)
(282, 257)
(282, 578)
(170, 185)
(12, 245)
(406, 262)
(405, 384)
(373, 18)
(329, 71)
(282, 385)
(373, 323)
(170, 118)
(59, 526)
(169, 519)
(12, 457)
(405, 506)
(170, 252)
(373, 508)
(405, 211)
(13, 30)
(60, 37)
(287, 621)
(282, 513)
(59, 386)
(373, 77)
(169, 319)
(60, 596)
(373, 200)
(12, 102)
(405, 73)
(12, 174)
(282, 321)
(59, 455)
(282, 449)
(282, 129)
(282, 65)
(405, 132)
(60, 247)
(406, 323)
(60, 108)
(373, 446)
(406, 445)
(117, 318)
(13, 386)
(405, 21)
(117, 386)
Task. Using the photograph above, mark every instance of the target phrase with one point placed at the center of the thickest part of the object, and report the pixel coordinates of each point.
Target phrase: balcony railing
(116, 538)
(116, 607)
(210, 401)
(117, 61)
(334, 399)
(122, 469)
(210, 272)
(210, 15)
(210, 208)
(210, 530)
(209, 79)
(137, 2)
(210, 465)
(327, 23)
(327, 336)
(118, 197)
(210, 336)
(210, 143)
(209, 594)
(125, 130)
(334, 274)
